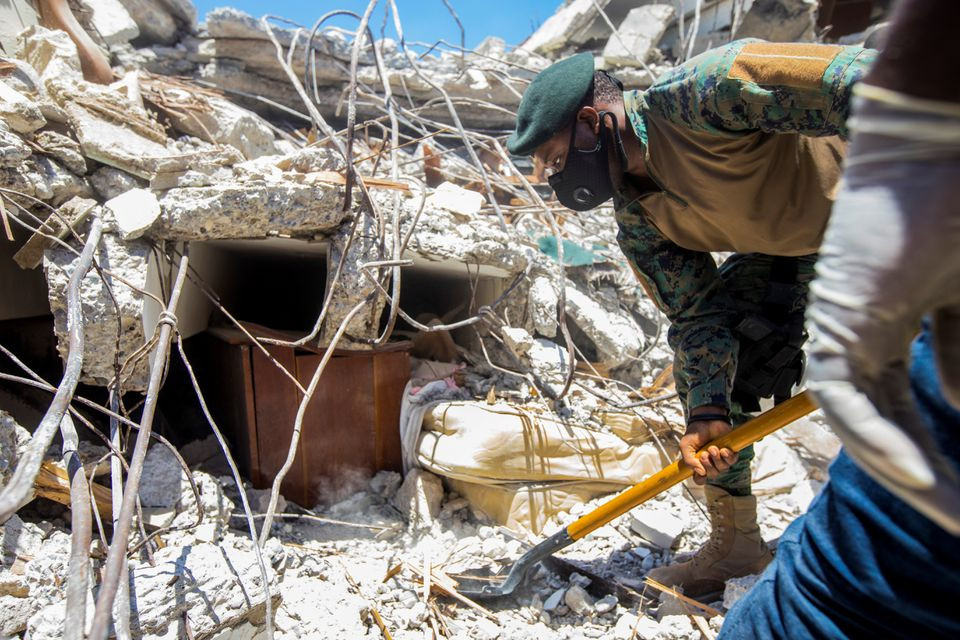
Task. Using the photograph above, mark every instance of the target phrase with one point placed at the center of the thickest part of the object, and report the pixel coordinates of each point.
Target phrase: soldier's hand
(712, 462)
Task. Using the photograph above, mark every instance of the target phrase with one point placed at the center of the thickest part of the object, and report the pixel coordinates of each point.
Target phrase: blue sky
(423, 20)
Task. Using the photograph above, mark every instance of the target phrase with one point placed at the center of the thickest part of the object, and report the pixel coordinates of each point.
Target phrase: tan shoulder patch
(782, 64)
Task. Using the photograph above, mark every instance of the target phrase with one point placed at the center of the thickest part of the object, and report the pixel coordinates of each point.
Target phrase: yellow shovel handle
(740, 438)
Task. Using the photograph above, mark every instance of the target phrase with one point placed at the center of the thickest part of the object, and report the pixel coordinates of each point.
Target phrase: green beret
(550, 102)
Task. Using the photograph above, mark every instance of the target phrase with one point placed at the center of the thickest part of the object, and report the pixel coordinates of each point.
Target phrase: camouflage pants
(746, 278)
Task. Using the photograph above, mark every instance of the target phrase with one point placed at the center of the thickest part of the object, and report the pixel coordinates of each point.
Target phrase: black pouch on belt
(771, 358)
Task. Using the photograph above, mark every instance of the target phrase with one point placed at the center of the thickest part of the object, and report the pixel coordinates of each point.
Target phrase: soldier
(738, 150)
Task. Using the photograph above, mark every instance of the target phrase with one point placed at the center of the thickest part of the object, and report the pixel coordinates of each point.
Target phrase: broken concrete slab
(134, 212)
(780, 21)
(64, 149)
(565, 28)
(659, 527)
(222, 122)
(638, 35)
(249, 209)
(112, 21)
(13, 439)
(19, 112)
(213, 586)
(53, 55)
(102, 326)
(616, 337)
(45, 179)
(456, 199)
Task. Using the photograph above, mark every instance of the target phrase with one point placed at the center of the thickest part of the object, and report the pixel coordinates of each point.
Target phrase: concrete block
(658, 527)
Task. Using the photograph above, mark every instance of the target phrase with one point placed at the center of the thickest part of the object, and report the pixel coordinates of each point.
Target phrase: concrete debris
(660, 528)
(109, 183)
(128, 262)
(13, 150)
(112, 21)
(13, 438)
(578, 600)
(638, 35)
(615, 335)
(134, 212)
(19, 112)
(209, 587)
(419, 498)
(736, 588)
(64, 149)
(780, 21)
(457, 200)
(154, 20)
(165, 474)
(568, 26)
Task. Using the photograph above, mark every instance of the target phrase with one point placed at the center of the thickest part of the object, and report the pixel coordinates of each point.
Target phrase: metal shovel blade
(478, 587)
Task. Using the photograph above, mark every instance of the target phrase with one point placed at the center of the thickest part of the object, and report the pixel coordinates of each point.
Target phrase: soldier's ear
(591, 117)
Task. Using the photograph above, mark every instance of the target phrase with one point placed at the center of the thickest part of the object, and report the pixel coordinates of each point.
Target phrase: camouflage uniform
(713, 94)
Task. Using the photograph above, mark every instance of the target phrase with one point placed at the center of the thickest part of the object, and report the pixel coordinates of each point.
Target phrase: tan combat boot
(734, 549)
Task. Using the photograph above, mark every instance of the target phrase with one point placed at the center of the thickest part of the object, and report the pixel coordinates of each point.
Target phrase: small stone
(606, 603)
(580, 579)
(552, 602)
(641, 552)
(518, 340)
(578, 600)
(648, 562)
(206, 532)
(623, 630)
(485, 532)
(659, 527)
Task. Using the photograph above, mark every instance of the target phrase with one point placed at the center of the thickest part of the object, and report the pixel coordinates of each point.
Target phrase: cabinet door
(276, 400)
(339, 439)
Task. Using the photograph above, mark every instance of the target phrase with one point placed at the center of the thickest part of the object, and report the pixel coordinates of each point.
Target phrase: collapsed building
(321, 343)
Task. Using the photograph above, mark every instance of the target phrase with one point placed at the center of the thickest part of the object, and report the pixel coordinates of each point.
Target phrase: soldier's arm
(751, 85)
(686, 287)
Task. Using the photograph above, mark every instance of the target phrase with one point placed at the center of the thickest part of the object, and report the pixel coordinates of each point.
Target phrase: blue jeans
(861, 563)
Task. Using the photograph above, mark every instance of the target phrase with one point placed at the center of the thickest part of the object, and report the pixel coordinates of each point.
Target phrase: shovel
(479, 587)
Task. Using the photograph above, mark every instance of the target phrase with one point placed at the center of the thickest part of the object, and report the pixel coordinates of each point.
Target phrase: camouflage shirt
(745, 88)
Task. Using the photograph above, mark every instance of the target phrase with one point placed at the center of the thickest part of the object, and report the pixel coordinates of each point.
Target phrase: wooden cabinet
(350, 427)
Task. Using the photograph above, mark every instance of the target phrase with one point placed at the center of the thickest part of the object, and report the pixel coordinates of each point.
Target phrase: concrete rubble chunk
(64, 149)
(554, 600)
(214, 586)
(776, 468)
(110, 182)
(128, 261)
(222, 122)
(456, 199)
(165, 475)
(112, 21)
(616, 336)
(736, 588)
(780, 21)
(578, 600)
(249, 209)
(134, 212)
(659, 527)
(638, 35)
(564, 28)
(518, 340)
(45, 179)
(154, 21)
(52, 54)
(19, 112)
(606, 604)
(13, 150)
(72, 212)
(543, 301)
(419, 498)
(13, 439)
(217, 507)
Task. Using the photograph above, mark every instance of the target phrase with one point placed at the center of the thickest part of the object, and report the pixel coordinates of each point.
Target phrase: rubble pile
(239, 132)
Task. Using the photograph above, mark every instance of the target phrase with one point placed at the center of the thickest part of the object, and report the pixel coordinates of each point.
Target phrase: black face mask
(585, 180)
